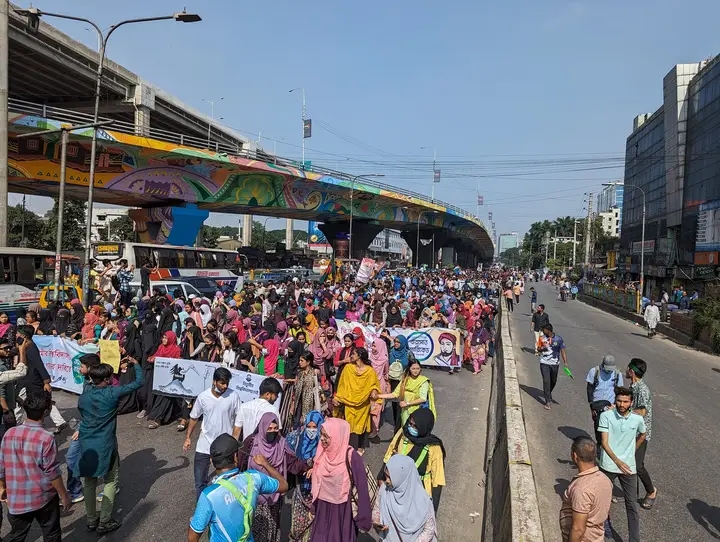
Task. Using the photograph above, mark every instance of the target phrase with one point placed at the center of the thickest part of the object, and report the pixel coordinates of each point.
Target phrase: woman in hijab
(379, 362)
(89, 329)
(304, 398)
(417, 441)
(7, 330)
(212, 352)
(331, 487)
(292, 359)
(62, 322)
(405, 511)
(266, 441)
(377, 316)
(205, 314)
(130, 347)
(303, 443)
(283, 336)
(342, 356)
(167, 320)
(479, 342)
(398, 359)
(164, 408)
(394, 318)
(46, 325)
(192, 343)
(149, 342)
(358, 337)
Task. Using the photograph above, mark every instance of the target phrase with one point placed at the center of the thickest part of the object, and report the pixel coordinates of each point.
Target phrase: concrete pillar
(171, 225)
(448, 256)
(247, 231)
(337, 234)
(427, 256)
(289, 234)
(142, 121)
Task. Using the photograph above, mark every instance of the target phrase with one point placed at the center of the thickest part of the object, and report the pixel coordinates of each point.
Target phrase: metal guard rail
(76, 117)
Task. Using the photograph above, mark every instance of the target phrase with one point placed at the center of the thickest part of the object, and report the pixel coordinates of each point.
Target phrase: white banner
(432, 346)
(187, 378)
(61, 358)
(365, 273)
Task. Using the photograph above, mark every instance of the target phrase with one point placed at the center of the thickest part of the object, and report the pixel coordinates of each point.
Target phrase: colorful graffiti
(144, 172)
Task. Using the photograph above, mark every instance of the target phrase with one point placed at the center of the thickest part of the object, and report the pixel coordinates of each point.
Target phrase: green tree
(210, 236)
(34, 228)
(73, 236)
(121, 228)
(228, 231)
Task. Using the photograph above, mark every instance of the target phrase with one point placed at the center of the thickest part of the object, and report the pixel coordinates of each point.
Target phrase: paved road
(156, 499)
(683, 456)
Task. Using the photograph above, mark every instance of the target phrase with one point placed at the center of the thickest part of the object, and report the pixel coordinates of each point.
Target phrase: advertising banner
(61, 358)
(432, 346)
(316, 238)
(186, 378)
(708, 227)
(365, 273)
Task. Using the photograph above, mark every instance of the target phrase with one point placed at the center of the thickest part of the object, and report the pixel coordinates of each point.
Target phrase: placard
(61, 358)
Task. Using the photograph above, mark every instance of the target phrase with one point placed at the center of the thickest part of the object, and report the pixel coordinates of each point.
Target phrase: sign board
(107, 250)
(708, 227)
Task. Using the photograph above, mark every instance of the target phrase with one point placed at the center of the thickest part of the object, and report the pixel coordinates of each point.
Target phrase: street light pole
(574, 242)
(432, 186)
(212, 117)
(352, 192)
(302, 89)
(35, 13)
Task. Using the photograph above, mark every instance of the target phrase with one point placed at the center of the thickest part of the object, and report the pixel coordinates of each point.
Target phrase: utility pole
(574, 242)
(4, 45)
(587, 233)
(555, 246)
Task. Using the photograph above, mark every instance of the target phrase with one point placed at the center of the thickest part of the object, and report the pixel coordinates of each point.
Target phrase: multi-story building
(507, 241)
(610, 197)
(611, 221)
(390, 244)
(672, 163)
(101, 219)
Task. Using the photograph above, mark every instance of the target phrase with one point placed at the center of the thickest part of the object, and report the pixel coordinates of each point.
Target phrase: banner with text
(431, 346)
(61, 358)
(186, 378)
(366, 271)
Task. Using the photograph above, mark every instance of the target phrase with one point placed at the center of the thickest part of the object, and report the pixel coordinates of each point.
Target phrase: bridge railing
(77, 117)
(627, 299)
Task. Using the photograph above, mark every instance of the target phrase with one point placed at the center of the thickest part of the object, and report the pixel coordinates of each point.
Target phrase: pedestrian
(508, 295)
(249, 414)
(99, 457)
(227, 505)
(218, 407)
(586, 501)
(30, 479)
(125, 275)
(601, 383)
(517, 290)
(622, 432)
(533, 299)
(538, 321)
(642, 405)
(551, 348)
(651, 317)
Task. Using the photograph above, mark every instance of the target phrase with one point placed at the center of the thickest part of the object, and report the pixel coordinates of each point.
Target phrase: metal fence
(627, 299)
(76, 117)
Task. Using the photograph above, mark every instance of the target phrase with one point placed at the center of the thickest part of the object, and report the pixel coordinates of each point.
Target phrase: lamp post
(352, 192)
(432, 186)
(35, 14)
(212, 116)
(302, 89)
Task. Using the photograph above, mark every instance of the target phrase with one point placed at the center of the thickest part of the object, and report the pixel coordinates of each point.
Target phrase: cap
(608, 362)
(224, 446)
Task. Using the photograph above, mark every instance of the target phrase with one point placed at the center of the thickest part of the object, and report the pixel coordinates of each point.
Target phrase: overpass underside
(173, 184)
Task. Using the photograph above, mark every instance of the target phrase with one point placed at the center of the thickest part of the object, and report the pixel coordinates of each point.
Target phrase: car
(169, 287)
(208, 286)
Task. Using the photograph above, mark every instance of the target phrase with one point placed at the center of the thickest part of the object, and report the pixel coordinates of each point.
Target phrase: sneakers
(79, 498)
(140, 415)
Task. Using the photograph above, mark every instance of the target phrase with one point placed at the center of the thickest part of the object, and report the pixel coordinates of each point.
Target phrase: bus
(30, 267)
(173, 261)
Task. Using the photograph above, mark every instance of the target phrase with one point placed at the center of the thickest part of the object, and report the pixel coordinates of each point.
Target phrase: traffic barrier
(512, 513)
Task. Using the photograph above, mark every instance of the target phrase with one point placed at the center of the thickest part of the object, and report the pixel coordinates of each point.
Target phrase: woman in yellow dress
(413, 391)
(358, 386)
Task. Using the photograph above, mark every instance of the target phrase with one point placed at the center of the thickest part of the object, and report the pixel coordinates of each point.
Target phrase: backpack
(596, 380)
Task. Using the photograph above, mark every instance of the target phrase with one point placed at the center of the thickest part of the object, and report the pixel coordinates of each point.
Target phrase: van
(169, 287)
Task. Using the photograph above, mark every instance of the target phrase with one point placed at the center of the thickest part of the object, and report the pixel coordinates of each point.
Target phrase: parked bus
(29, 267)
(173, 261)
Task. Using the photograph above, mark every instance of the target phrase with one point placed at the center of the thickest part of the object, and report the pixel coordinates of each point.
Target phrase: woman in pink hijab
(379, 361)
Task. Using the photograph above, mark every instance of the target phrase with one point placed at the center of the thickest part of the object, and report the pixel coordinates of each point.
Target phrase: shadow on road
(573, 432)
(716, 369)
(561, 486)
(528, 350)
(534, 393)
(707, 516)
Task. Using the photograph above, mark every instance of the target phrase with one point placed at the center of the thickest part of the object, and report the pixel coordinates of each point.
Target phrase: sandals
(648, 502)
(153, 425)
(92, 525)
(181, 427)
(108, 526)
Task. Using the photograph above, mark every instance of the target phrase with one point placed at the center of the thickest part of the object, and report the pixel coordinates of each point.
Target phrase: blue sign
(315, 236)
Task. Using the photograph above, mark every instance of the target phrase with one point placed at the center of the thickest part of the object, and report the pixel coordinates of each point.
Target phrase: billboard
(708, 227)
(316, 238)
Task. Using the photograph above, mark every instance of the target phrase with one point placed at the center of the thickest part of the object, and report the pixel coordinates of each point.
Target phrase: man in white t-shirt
(249, 414)
(218, 408)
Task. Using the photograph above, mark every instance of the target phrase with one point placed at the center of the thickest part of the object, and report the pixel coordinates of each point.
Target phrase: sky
(529, 102)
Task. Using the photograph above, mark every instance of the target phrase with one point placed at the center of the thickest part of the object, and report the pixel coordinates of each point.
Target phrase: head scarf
(424, 422)
(405, 506)
(274, 453)
(292, 360)
(330, 476)
(311, 323)
(171, 349)
(379, 359)
(62, 321)
(300, 443)
(46, 322)
(271, 358)
(282, 330)
(4, 327)
(205, 314)
(358, 337)
(88, 329)
(399, 354)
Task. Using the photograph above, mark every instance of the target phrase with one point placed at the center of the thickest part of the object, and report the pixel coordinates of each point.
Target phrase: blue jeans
(201, 465)
(74, 484)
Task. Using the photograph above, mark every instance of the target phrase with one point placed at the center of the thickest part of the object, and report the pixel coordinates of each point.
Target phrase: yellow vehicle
(68, 294)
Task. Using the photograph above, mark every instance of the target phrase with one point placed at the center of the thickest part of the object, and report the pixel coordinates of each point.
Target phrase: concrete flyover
(167, 180)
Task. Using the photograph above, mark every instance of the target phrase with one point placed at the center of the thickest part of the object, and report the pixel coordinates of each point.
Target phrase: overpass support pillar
(428, 256)
(289, 234)
(142, 121)
(247, 231)
(338, 235)
(171, 225)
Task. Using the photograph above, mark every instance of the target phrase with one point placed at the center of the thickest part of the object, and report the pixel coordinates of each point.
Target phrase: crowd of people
(324, 397)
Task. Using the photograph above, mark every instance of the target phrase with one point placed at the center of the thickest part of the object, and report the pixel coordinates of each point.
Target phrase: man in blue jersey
(227, 505)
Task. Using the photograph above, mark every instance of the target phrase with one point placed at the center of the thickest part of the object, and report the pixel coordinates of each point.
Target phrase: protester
(250, 413)
(413, 391)
(551, 348)
(642, 405)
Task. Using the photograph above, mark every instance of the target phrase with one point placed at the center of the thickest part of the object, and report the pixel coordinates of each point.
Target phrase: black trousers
(48, 517)
(641, 470)
(509, 303)
(549, 376)
(358, 441)
(395, 406)
(628, 483)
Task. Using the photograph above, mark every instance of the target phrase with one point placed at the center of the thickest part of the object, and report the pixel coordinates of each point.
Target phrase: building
(610, 197)
(390, 245)
(507, 241)
(611, 221)
(101, 219)
(673, 158)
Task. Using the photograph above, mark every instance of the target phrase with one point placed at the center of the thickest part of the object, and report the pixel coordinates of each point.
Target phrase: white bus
(173, 261)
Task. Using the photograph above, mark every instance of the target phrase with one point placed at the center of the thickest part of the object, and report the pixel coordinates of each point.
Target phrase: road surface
(683, 455)
(156, 499)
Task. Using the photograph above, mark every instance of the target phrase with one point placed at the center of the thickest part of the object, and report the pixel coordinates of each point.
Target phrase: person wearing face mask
(405, 512)
(417, 441)
(249, 413)
(218, 407)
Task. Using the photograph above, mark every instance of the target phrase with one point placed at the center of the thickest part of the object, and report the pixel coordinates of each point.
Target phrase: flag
(307, 128)
(436, 175)
(329, 270)
(480, 200)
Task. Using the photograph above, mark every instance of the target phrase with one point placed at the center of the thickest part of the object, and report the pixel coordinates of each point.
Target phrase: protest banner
(186, 378)
(366, 270)
(61, 358)
(431, 346)
(110, 353)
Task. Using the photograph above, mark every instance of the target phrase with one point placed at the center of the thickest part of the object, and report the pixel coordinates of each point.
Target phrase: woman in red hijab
(164, 408)
(358, 337)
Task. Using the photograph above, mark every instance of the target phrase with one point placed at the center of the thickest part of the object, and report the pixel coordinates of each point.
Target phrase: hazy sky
(533, 100)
